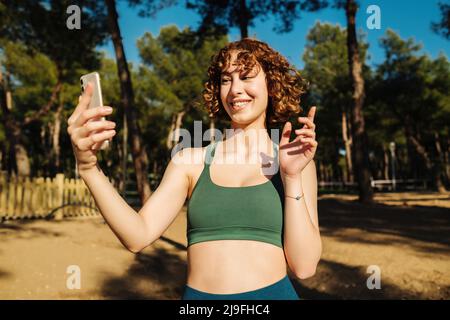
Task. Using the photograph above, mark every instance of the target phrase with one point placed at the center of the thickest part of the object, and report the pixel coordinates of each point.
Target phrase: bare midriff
(234, 266)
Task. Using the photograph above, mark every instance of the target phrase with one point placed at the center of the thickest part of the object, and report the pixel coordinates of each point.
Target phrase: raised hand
(296, 154)
(86, 134)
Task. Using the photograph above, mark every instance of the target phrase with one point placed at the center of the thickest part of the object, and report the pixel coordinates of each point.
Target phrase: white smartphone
(96, 100)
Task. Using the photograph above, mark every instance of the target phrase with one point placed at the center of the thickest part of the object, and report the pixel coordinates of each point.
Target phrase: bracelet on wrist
(296, 197)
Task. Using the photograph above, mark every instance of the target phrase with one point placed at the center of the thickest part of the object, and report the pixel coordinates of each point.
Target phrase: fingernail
(108, 109)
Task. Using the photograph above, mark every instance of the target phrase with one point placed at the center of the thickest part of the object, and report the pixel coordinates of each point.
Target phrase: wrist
(292, 185)
(89, 171)
(291, 178)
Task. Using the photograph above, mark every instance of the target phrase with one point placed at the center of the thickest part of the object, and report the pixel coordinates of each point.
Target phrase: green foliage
(407, 85)
(176, 68)
(31, 86)
(326, 69)
(174, 71)
(222, 15)
(411, 90)
(414, 86)
(443, 26)
(41, 26)
(38, 51)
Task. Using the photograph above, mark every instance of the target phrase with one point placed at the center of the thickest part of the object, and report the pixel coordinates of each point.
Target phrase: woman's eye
(246, 78)
(225, 80)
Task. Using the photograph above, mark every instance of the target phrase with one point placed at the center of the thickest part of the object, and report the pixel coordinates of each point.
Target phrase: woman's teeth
(239, 104)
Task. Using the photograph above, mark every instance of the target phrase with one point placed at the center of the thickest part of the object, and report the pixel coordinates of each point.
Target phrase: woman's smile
(240, 104)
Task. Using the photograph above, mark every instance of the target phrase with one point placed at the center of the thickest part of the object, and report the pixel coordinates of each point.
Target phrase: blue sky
(409, 18)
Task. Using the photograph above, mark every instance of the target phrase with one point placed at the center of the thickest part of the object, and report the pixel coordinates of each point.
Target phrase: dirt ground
(407, 235)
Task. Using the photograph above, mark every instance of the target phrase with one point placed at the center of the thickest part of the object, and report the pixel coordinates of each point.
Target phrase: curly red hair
(284, 83)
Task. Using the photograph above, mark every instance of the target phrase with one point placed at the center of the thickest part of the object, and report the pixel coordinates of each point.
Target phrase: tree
(175, 68)
(415, 92)
(360, 142)
(138, 152)
(41, 28)
(443, 27)
(326, 69)
(221, 15)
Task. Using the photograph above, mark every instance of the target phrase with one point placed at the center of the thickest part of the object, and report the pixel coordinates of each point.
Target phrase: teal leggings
(280, 290)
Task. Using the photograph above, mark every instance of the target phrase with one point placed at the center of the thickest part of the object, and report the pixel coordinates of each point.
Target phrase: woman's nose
(236, 87)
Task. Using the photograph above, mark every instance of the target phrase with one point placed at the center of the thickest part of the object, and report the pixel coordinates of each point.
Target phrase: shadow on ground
(24, 229)
(339, 281)
(423, 223)
(158, 274)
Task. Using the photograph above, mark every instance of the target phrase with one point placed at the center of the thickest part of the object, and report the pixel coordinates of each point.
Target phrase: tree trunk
(178, 123)
(433, 168)
(22, 160)
(335, 168)
(447, 160)
(46, 108)
(18, 160)
(56, 132)
(138, 152)
(359, 135)
(413, 163)
(5, 92)
(174, 134)
(440, 158)
(320, 169)
(346, 137)
(385, 163)
(243, 19)
(169, 139)
(4, 150)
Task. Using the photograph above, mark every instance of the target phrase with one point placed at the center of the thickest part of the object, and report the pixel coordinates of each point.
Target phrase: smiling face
(244, 93)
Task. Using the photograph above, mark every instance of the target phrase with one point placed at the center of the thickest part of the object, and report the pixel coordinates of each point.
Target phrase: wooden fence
(57, 197)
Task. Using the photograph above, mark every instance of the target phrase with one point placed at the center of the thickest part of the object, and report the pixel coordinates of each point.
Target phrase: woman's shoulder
(190, 158)
(191, 161)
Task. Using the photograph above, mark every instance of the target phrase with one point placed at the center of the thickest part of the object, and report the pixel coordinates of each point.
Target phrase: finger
(310, 141)
(98, 145)
(312, 113)
(93, 113)
(307, 123)
(286, 133)
(99, 125)
(92, 128)
(88, 142)
(305, 132)
(83, 102)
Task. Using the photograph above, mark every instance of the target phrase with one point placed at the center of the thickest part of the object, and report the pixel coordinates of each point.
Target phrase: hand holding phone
(96, 99)
(86, 133)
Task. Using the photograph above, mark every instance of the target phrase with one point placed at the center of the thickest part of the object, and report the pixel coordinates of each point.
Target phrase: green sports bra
(246, 213)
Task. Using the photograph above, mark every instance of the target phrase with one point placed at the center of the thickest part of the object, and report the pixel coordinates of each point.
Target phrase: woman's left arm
(302, 242)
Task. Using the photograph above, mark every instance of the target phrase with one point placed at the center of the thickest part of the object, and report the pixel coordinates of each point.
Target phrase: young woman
(252, 209)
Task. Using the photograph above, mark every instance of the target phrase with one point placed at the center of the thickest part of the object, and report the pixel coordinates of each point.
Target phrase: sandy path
(407, 237)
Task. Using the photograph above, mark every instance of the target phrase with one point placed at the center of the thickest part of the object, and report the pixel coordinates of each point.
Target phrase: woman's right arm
(134, 230)
(138, 230)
